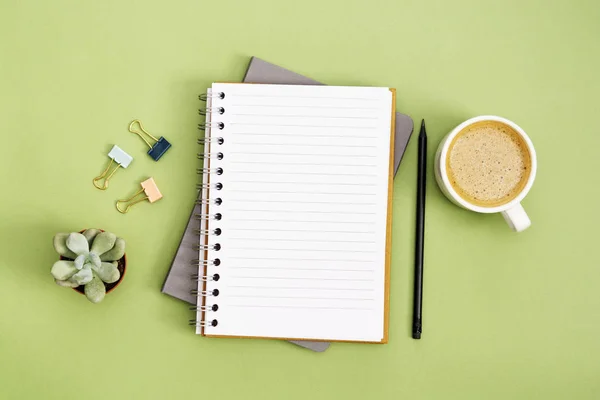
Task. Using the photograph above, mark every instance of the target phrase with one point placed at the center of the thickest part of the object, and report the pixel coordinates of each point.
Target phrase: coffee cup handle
(517, 218)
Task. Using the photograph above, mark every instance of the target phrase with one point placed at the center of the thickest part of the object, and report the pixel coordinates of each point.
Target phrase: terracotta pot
(122, 267)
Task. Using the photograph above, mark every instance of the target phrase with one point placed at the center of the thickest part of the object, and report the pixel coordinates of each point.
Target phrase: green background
(507, 316)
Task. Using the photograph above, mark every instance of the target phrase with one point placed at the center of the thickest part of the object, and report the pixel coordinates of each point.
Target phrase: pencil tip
(422, 132)
(423, 124)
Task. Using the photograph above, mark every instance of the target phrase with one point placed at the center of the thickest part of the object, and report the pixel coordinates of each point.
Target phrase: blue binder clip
(160, 146)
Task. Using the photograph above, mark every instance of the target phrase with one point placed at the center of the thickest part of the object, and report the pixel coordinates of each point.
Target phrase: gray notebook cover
(178, 283)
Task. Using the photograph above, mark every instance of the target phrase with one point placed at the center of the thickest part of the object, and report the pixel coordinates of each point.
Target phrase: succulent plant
(92, 261)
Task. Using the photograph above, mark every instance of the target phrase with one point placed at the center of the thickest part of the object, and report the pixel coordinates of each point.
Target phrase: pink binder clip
(149, 191)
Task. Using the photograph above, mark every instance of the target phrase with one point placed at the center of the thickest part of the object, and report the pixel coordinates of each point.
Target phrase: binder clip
(149, 191)
(160, 146)
(117, 155)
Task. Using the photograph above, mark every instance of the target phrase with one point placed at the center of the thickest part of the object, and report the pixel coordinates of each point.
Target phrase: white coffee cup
(513, 212)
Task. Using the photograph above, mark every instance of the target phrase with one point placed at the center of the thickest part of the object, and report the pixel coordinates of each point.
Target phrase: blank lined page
(305, 172)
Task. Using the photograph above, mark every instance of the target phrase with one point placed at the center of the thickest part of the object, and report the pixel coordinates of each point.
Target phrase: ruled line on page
(298, 278)
(302, 230)
(297, 106)
(298, 259)
(299, 192)
(303, 211)
(300, 116)
(336, 145)
(300, 240)
(298, 287)
(258, 153)
(231, 200)
(302, 163)
(302, 135)
(304, 221)
(302, 297)
(304, 126)
(296, 173)
(279, 96)
(308, 307)
(301, 269)
(305, 183)
(311, 250)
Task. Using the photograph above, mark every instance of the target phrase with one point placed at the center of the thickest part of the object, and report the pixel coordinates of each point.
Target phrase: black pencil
(420, 232)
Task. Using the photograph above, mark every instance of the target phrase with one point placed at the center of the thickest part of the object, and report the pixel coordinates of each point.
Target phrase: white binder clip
(118, 156)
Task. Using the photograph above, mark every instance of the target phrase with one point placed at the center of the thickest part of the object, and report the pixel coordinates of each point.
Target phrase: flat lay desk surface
(506, 316)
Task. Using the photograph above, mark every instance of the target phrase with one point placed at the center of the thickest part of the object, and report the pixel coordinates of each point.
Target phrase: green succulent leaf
(60, 245)
(90, 234)
(103, 242)
(78, 244)
(117, 252)
(63, 270)
(79, 261)
(108, 272)
(82, 277)
(95, 259)
(67, 283)
(95, 290)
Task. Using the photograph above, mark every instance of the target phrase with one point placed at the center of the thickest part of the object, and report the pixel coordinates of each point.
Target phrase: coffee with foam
(488, 163)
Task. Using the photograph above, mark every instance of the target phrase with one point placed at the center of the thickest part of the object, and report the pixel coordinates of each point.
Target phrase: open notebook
(297, 186)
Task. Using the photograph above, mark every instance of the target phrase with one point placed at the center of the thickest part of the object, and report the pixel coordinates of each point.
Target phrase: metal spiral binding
(218, 156)
(203, 324)
(216, 186)
(206, 96)
(212, 307)
(205, 263)
(211, 110)
(205, 293)
(204, 247)
(219, 125)
(218, 201)
(217, 140)
(212, 278)
(205, 232)
(211, 157)
(202, 171)
(209, 217)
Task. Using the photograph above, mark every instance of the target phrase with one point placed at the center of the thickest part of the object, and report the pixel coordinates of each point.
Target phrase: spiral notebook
(177, 281)
(297, 190)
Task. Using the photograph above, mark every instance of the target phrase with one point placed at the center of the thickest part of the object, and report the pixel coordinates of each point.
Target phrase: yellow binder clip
(117, 155)
(149, 192)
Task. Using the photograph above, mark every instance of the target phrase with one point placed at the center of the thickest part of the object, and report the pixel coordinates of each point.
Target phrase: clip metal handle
(118, 156)
(141, 131)
(106, 178)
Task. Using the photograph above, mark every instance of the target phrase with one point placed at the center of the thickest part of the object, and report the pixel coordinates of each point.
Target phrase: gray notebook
(178, 283)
